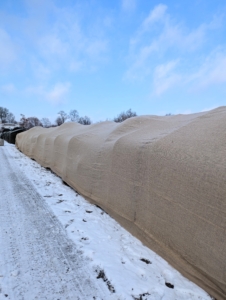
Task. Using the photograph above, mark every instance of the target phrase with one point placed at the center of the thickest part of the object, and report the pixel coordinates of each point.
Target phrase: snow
(119, 261)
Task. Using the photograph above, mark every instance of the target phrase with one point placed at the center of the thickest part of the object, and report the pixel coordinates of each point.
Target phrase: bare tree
(59, 121)
(73, 115)
(84, 120)
(29, 122)
(33, 121)
(46, 122)
(6, 116)
(23, 121)
(10, 118)
(63, 116)
(125, 115)
(3, 114)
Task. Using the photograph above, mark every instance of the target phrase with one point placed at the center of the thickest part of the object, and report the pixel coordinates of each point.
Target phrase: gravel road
(37, 260)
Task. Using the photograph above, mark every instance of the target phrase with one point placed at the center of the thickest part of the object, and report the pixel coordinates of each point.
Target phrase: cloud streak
(7, 50)
(162, 48)
(55, 95)
(128, 5)
(71, 43)
(155, 15)
(165, 77)
(60, 42)
(58, 93)
(211, 71)
(8, 89)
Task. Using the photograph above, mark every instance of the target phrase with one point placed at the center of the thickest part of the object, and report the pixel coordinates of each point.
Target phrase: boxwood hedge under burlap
(162, 178)
(10, 134)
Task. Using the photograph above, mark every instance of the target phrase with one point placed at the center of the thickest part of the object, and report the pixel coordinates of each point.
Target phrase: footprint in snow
(169, 278)
(69, 223)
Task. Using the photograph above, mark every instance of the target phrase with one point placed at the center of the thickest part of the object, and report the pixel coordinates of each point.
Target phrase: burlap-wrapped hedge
(10, 134)
(162, 178)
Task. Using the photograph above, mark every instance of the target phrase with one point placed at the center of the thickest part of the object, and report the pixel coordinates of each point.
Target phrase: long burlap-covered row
(162, 178)
(9, 135)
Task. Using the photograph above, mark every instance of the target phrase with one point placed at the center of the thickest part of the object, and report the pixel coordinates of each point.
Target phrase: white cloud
(165, 77)
(186, 112)
(72, 48)
(55, 95)
(160, 39)
(211, 72)
(128, 5)
(8, 88)
(210, 108)
(76, 66)
(140, 68)
(96, 48)
(40, 70)
(7, 49)
(155, 15)
(50, 45)
(171, 33)
(62, 40)
(58, 93)
(108, 21)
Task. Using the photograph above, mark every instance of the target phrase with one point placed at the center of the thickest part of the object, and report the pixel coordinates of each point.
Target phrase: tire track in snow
(37, 260)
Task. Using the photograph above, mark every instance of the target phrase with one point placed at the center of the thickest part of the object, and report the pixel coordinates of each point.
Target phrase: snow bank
(162, 178)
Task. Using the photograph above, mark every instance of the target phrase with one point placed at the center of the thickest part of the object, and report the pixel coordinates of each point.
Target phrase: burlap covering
(162, 178)
(9, 135)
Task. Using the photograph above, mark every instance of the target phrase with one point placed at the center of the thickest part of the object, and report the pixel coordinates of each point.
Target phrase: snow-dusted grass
(119, 261)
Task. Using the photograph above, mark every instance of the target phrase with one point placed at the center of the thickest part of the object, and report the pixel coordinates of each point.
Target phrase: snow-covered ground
(119, 265)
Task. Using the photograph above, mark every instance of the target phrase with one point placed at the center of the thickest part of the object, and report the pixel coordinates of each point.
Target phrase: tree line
(6, 116)
(73, 116)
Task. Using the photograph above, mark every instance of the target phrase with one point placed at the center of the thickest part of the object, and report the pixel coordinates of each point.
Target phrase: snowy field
(119, 265)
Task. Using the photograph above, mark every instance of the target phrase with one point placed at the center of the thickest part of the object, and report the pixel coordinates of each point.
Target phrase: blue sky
(103, 57)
